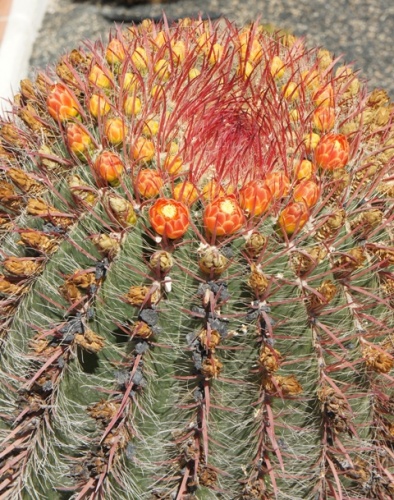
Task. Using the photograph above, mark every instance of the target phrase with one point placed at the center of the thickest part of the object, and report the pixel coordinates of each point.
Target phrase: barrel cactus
(196, 281)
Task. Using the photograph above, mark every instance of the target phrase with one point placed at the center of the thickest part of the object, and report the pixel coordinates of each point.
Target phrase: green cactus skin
(248, 359)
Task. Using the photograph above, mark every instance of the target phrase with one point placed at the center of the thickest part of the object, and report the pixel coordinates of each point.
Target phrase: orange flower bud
(293, 217)
(169, 218)
(324, 96)
(61, 104)
(304, 170)
(223, 216)
(212, 190)
(140, 59)
(132, 105)
(99, 78)
(98, 105)
(307, 192)
(109, 167)
(178, 50)
(115, 52)
(255, 197)
(79, 141)
(173, 164)
(278, 183)
(277, 68)
(115, 130)
(143, 150)
(148, 183)
(186, 192)
(332, 152)
(324, 119)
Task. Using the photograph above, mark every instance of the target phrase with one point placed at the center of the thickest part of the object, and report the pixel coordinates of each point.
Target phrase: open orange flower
(109, 167)
(61, 104)
(223, 216)
(169, 218)
(308, 192)
(293, 217)
(255, 197)
(332, 152)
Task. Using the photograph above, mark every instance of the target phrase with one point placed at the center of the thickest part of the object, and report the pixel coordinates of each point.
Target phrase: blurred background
(36, 32)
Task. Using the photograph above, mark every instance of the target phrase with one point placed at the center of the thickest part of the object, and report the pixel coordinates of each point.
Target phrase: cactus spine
(197, 272)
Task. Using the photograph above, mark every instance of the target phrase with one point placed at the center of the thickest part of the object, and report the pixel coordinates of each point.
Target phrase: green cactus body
(197, 273)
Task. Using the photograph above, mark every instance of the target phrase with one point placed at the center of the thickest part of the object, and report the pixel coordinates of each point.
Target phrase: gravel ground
(360, 30)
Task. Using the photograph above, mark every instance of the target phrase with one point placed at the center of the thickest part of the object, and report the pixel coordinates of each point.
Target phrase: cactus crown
(196, 279)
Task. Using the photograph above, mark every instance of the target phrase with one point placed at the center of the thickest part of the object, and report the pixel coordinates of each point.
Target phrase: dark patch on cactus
(196, 275)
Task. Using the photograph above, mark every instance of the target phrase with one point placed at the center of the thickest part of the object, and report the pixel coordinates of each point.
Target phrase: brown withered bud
(104, 411)
(361, 471)
(43, 83)
(28, 90)
(24, 181)
(388, 151)
(11, 136)
(387, 284)
(366, 222)
(382, 116)
(257, 281)
(211, 367)
(82, 279)
(31, 118)
(5, 222)
(64, 72)
(139, 295)
(40, 345)
(142, 330)
(70, 292)
(161, 261)
(340, 181)
(81, 191)
(382, 252)
(80, 60)
(21, 266)
(7, 155)
(255, 244)
(189, 450)
(89, 341)
(108, 243)
(122, 210)
(284, 385)
(48, 159)
(378, 97)
(9, 288)
(333, 407)
(327, 290)
(386, 188)
(39, 241)
(37, 206)
(349, 262)
(303, 262)
(332, 225)
(211, 261)
(208, 477)
(377, 359)
(210, 341)
(270, 359)
(9, 198)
